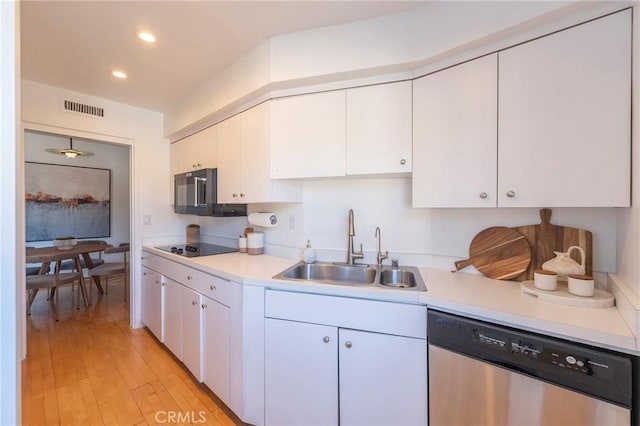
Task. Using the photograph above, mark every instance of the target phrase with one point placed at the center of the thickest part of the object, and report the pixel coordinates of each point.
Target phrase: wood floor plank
(91, 368)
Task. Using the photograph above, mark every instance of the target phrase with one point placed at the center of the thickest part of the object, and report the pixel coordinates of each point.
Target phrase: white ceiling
(76, 44)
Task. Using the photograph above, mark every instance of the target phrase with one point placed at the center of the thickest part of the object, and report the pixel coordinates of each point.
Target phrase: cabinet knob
(157, 282)
(144, 274)
(483, 195)
(242, 194)
(511, 194)
(212, 287)
(194, 302)
(189, 277)
(193, 166)
(204, 306)
(403, 161)
(325, 339)
(199, 165)
(234, 195)
(348, 344)
(164, 284)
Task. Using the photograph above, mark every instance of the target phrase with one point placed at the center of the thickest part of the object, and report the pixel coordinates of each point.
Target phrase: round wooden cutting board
(498, 252)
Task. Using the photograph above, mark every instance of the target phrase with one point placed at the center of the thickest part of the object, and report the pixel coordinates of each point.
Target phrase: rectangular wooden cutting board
(546, 238)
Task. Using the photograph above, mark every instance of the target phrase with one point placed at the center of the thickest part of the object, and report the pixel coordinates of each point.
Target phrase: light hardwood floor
(91, 368)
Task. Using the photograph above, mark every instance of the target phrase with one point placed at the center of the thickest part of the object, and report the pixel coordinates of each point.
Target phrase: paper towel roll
(265, 220)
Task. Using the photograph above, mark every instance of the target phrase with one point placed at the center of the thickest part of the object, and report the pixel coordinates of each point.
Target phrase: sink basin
(330, 272)
(398, 278)
(403, 278)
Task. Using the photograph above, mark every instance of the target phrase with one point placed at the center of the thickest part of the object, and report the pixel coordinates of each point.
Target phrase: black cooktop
(197, 249)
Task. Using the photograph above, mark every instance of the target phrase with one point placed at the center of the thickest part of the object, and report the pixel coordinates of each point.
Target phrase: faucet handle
(394, 263)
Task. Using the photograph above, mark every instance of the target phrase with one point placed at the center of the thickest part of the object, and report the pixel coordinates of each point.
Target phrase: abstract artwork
(65, 201)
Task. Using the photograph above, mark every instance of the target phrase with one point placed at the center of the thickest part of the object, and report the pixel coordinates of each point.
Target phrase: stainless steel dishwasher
(484, 374)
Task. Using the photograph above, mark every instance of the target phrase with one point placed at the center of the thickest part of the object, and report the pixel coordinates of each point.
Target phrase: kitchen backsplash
(421, 237)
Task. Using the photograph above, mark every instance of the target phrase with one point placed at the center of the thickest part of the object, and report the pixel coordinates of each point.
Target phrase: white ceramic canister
(255, 243)
(581, 285)
(545, 280)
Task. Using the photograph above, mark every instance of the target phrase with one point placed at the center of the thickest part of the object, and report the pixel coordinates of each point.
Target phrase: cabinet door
(207, 143)
(301, 377)
(172, 316)
(308, 136)
(184, 155)
(191, 326)
(152, 301)
(383, 379)
(229, 156)
(255, 153)
(216, 328)
(564, 118)
(455, 136)
(379, 129)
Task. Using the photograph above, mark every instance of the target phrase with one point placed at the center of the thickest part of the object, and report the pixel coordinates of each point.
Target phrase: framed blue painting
(65, 201)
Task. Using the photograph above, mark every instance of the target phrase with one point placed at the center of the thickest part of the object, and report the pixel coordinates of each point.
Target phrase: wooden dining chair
(55, 281)
(109, 269)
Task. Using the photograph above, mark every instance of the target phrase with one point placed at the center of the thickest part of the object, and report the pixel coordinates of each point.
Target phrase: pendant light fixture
(69, 152)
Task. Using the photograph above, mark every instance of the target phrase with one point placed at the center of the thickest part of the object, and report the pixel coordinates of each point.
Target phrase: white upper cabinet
(229, 153)
(198, 151)
(308, 136)
(564, 117)
(360, 131)
(244, 174)
(545, 124)
(455, 136)
(379, 129)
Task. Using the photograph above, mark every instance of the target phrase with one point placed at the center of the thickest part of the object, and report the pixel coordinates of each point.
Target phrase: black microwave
(197, 193)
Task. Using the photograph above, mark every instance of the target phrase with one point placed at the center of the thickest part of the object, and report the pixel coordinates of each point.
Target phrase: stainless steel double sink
(404, 277)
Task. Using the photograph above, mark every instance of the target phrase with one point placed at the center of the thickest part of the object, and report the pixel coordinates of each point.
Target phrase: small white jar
(545, 280)
(581, 285)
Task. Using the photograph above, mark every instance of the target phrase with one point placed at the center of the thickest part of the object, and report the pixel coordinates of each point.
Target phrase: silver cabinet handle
(212, 287)
(348, 344)
(325, 339)
(511, 194)
(403, 161)
(483, 195)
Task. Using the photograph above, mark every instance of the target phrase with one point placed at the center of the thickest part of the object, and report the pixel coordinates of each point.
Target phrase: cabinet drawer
(211, 286)
(371, 315)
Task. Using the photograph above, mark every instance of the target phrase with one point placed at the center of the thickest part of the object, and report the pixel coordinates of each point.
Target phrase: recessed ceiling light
(119, 74)
(148, 37)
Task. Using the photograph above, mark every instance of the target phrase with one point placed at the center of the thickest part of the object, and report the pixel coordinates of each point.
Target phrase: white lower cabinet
(216, 326)
(191, 331)
(382, 379)
(317, 374)
(152, 301)
(301, 381)
(191, 307)
(172, 317)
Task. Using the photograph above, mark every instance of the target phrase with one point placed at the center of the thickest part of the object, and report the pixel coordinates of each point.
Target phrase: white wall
(420, 237)
(11, 255)
(139, 129)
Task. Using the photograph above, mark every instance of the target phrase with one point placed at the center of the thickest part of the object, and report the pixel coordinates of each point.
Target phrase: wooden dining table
(43, 255)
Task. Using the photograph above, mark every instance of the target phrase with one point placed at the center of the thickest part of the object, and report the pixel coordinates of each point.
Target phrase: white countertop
(466, 294)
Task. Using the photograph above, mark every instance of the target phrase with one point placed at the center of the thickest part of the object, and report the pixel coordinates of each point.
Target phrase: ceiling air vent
(83, 108)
